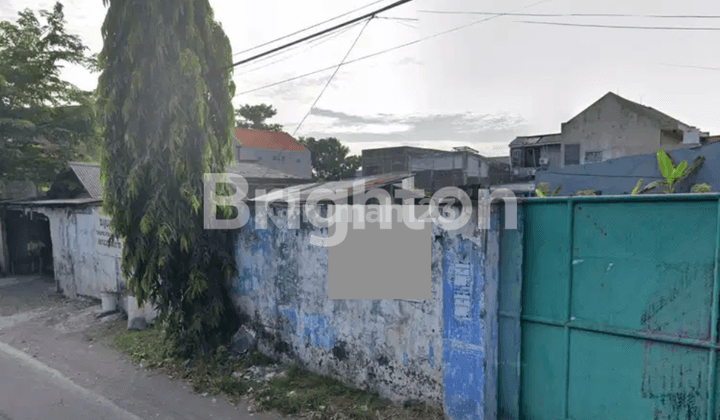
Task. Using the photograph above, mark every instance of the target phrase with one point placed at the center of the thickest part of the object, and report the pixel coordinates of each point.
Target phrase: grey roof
(664, 119)
(522, 141)
(55, 202)
(304, 190)
(500, 159)
(255, 170)
(89, 176)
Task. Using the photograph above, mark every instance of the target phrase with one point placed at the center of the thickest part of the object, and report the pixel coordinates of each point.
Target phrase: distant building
(273, 150)
(433, 169)
(612, 127)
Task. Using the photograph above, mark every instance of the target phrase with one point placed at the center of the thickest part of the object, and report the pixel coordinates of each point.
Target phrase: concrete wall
(616, 131)
(83, 263)
(618, 176)
(293, 162)
(441, 350)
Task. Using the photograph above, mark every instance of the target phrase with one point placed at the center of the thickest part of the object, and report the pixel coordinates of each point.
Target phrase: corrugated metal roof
(522, 141)
(50, 203)
(89, 176)
(267, 139)
(304, 190)
(253, 170)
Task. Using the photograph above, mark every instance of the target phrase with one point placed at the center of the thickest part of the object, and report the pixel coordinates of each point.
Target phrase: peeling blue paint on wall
(463, 300)
(405, 359)
(431, 356)
(317, 329)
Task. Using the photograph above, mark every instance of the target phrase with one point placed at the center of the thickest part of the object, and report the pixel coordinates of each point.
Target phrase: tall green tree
(44, 120)
(254, 116)
(330, 160)
(165, 100)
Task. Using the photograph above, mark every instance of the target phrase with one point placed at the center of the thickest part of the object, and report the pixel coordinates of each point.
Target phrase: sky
(478, 86)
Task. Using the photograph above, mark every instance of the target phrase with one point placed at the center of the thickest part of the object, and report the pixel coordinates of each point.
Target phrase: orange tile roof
(266, 139)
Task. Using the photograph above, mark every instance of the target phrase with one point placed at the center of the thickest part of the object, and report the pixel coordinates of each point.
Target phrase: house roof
(89, 176)
(253, 170)
(522, 141)
(267, 139)
(500, 159)
(647, 111)
(304, 190)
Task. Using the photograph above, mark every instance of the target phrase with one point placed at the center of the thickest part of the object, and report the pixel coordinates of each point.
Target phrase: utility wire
(385, 51)
(665, 28)
(325, 87)
(308, 28)
(396, 18)
(331, 77)
(692, 67)
(573, 14)
(312, 45)
(334, 28)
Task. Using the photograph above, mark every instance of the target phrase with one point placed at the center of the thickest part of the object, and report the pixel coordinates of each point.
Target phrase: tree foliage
(254, 116)
(165, 100)
(44, 120)
(330, 160)
(673, 174)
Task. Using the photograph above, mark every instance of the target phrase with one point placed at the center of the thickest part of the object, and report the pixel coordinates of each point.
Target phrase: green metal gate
(611, 309)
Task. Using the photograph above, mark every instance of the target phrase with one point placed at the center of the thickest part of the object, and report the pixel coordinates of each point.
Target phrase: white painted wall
(293, 162)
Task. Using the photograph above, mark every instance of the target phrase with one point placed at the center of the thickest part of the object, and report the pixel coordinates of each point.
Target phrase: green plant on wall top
(700, 188)
(672, 174)
(543, 190)
(586, 193)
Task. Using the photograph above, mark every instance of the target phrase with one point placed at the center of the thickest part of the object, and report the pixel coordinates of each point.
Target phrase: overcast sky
(479, 86)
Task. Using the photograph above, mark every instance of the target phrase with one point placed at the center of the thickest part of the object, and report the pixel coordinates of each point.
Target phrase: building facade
(610, 128)
(433, 169)
(274, 150)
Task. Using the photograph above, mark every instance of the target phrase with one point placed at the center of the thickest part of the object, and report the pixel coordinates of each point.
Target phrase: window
(572, 154)
(517, 157)
(593, 157)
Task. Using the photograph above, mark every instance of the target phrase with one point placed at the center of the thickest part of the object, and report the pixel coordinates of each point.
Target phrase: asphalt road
(31, 390)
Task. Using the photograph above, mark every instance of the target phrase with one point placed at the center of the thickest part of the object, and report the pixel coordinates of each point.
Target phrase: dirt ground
(58, 332)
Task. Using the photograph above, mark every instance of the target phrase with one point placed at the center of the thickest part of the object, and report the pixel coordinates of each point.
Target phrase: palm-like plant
(672, 174)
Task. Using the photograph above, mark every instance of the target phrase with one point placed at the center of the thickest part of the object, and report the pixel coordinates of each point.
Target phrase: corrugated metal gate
(610, 311)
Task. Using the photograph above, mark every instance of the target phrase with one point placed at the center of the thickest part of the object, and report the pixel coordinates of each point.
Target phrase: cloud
(488, 133)
(420, 127)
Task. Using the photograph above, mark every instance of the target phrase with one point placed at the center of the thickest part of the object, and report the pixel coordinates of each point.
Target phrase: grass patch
(319, 397)
(213, 375)
(298, 393)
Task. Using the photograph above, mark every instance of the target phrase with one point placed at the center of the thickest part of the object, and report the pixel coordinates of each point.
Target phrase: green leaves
(254, 116)
(167, 118)
(45, 121)
(330, 160)
(673, 174)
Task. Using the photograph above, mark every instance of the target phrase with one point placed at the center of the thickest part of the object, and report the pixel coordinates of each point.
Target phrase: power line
(325, 87)
(336, 27)
(573, 14)
(312, 45)
(606, 175)
(407, 25)
(331, 77)
(384, 51)
(671, 28)
(397, 18)
(308, 28)
(691, 67)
